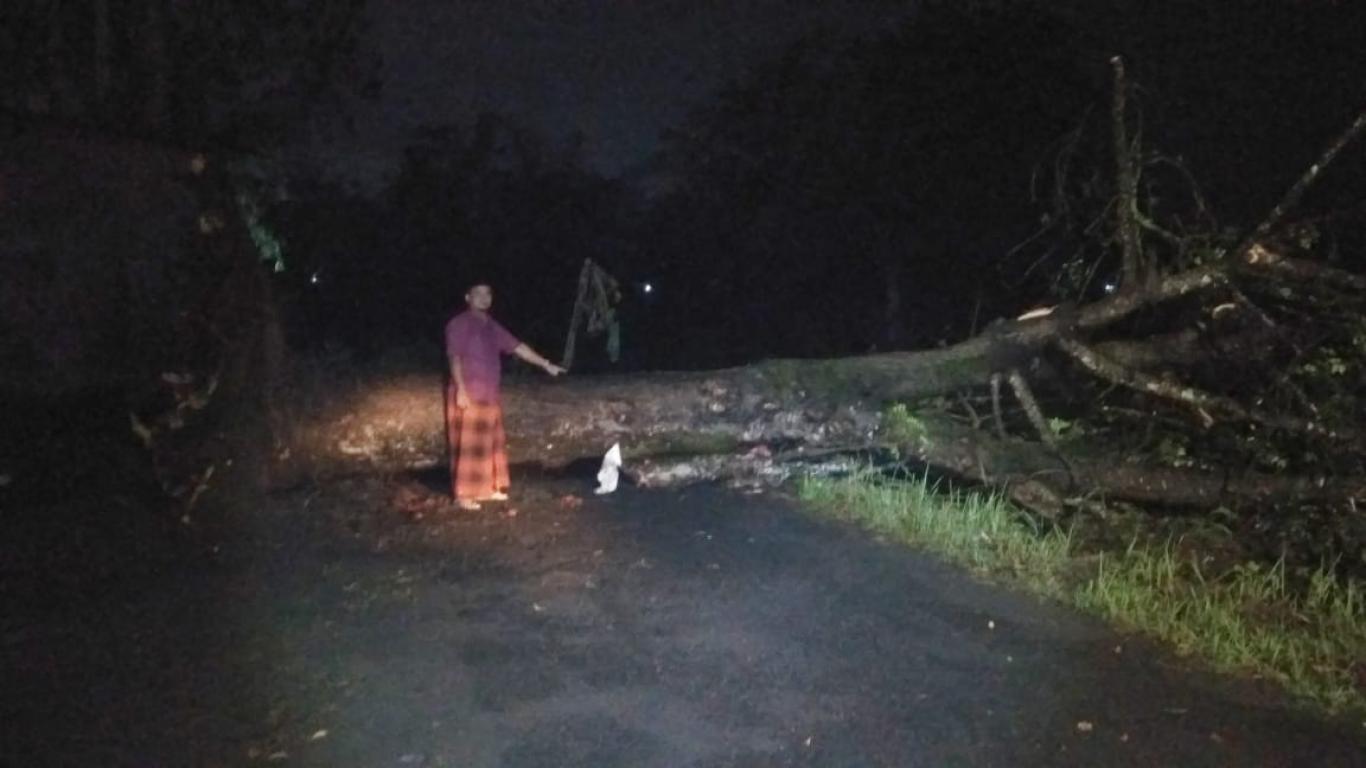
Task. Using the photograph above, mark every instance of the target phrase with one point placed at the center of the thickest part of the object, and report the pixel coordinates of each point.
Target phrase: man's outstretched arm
(528, 354)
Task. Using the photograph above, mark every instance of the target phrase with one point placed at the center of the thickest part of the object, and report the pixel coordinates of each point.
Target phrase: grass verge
(1310, 639)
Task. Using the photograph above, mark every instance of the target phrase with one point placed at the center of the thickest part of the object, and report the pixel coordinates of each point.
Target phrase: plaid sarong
(478, 449)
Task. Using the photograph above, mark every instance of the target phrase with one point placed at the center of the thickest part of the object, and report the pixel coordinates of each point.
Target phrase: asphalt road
(699, 627)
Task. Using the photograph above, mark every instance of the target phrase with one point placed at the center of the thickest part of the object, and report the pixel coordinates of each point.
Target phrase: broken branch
(1204, 402)
(1305, 181)
(1031, 406)
(967, 453)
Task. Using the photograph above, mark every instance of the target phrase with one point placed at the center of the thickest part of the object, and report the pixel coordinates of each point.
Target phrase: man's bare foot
(469, 505)
(496, 496)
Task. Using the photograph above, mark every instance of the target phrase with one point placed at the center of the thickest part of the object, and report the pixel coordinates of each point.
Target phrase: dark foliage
(493, 203)
(219, 73)
(862, 190)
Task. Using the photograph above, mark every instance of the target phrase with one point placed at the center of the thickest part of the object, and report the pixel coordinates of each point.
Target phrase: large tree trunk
(397, 423)
(387, 424)
(1040, 478)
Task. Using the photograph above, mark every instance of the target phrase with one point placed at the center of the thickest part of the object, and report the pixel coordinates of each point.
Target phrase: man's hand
(528, 354)
(462, 399)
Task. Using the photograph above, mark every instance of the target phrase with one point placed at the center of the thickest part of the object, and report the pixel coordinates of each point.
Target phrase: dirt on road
(366, 623)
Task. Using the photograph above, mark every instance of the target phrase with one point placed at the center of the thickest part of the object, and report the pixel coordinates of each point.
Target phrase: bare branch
(1260, 258)
(1201, 206)
(1123, 304)
(1306, 180)
(977, 455)
(996, 405)
(1247, 302)
(972, 412)
(1203, 402)
(1031, 406)
(1126, 182)
(1170, 238)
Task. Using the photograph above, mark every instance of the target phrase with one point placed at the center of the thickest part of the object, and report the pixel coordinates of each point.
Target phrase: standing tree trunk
(1126, 181)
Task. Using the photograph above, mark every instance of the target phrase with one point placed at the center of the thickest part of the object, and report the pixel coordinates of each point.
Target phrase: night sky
(891, 159)
(619, 72)
(1245, 94)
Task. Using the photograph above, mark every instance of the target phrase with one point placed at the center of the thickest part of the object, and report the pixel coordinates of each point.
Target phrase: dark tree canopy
(493, 201)
(861, 190)
(232, 73)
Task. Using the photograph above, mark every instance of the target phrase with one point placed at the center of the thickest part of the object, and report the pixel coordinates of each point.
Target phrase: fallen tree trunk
(1012, 463)
(395, 423)
(398, 423)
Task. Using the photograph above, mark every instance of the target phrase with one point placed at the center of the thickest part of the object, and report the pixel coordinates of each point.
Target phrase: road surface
(698, 627)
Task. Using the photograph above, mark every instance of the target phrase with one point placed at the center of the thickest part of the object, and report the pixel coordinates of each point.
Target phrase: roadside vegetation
(1304, 629)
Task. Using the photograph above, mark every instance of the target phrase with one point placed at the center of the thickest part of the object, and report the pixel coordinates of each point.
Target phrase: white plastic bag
(608, 475)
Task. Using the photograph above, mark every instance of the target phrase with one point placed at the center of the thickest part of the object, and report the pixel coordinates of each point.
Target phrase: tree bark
(1005, 462)
(397, 423)
(340, 425)
(1126, 179)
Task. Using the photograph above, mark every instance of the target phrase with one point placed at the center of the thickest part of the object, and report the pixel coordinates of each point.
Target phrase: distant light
(313, 278)
(1110, 287)
(648, 288)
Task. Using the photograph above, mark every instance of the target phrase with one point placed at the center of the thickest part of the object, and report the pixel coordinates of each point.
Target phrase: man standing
(474, 416)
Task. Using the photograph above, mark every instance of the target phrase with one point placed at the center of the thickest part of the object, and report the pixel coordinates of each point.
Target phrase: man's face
(480, 297)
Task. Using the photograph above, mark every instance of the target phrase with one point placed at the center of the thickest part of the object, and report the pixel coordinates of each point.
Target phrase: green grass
(1249, 620)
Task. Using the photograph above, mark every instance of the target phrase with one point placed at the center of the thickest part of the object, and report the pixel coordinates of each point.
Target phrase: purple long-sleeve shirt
(478, 340)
